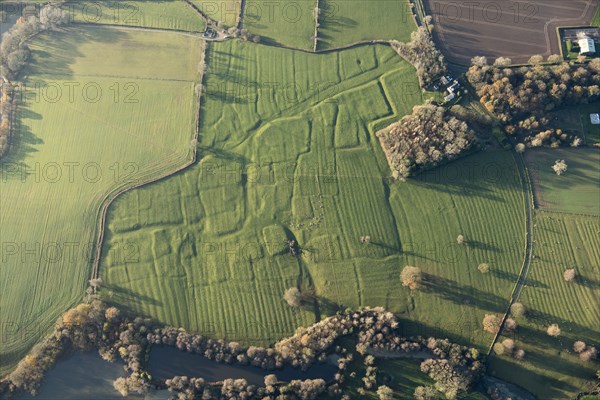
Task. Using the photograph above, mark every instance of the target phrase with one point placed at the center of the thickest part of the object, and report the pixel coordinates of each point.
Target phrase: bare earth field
(514, 29)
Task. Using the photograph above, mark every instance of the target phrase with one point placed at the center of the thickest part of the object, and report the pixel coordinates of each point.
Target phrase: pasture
(163, 14)
(551, 369)
(576, 191)
(101, 109)
(346, 22)
(281, 162)
(289, 24)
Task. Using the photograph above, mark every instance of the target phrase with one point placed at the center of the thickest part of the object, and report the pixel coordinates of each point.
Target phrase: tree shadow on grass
(23, 143)
(452, 291)
(506, 368)
(127, 300)
(509, 276)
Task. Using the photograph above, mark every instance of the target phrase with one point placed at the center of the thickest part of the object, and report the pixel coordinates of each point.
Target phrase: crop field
(551, 369)
(99, 111)
(290, 24)
(350, 21)
(226, 11)
(575, 191)
(164, 14)
(504, 29)
(301, 163)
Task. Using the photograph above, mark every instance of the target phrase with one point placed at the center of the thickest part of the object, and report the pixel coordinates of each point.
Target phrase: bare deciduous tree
(510, 324)
(579, 346)
(411, 277)
(569, 274)
(518, 310)
(293, 297)
(560, 167)
(491, 323)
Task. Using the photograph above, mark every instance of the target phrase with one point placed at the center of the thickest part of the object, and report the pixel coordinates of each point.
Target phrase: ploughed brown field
(506, 28)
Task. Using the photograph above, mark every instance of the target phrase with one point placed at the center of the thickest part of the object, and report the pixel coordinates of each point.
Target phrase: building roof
(595, 118)
(586, 45)
(450, 97)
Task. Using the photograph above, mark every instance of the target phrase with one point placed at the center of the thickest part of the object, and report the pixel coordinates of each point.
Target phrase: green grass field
(596, 20)
(286, 23)
(551, 370)
(129, 114)
(575, 191)
(350, 21)
(164, 14)
(591, 132)
(226, 11)
(302, 163)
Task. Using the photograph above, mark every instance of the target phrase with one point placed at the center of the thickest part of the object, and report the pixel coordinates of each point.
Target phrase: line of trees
(14, 51)
(95, 325)
(427, 137)
(422, 53)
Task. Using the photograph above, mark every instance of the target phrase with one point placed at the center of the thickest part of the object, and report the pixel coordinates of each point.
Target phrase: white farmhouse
(586, 45)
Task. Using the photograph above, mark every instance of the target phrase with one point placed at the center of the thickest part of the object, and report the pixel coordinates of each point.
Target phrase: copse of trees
(424, 139)
(424, 56)
(519, 97)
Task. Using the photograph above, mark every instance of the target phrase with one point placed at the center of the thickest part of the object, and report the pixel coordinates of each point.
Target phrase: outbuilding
(595, 118)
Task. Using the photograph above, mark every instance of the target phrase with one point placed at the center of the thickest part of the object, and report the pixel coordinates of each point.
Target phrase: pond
(84, 376)
(166, 362)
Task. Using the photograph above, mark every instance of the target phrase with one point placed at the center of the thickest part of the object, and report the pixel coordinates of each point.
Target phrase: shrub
(569, 275)
(509, 345)
(518, 310)
(498, 348)
(510, 324)
(484, 268)
(588, 354)
(293, 297)
(520, 354)
(553, 330)
(579, 346)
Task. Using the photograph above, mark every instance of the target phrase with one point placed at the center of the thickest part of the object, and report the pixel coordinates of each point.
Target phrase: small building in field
(586, 45)
(595, 118)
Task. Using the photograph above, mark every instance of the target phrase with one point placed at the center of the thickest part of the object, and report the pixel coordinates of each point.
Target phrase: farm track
(529, 209)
